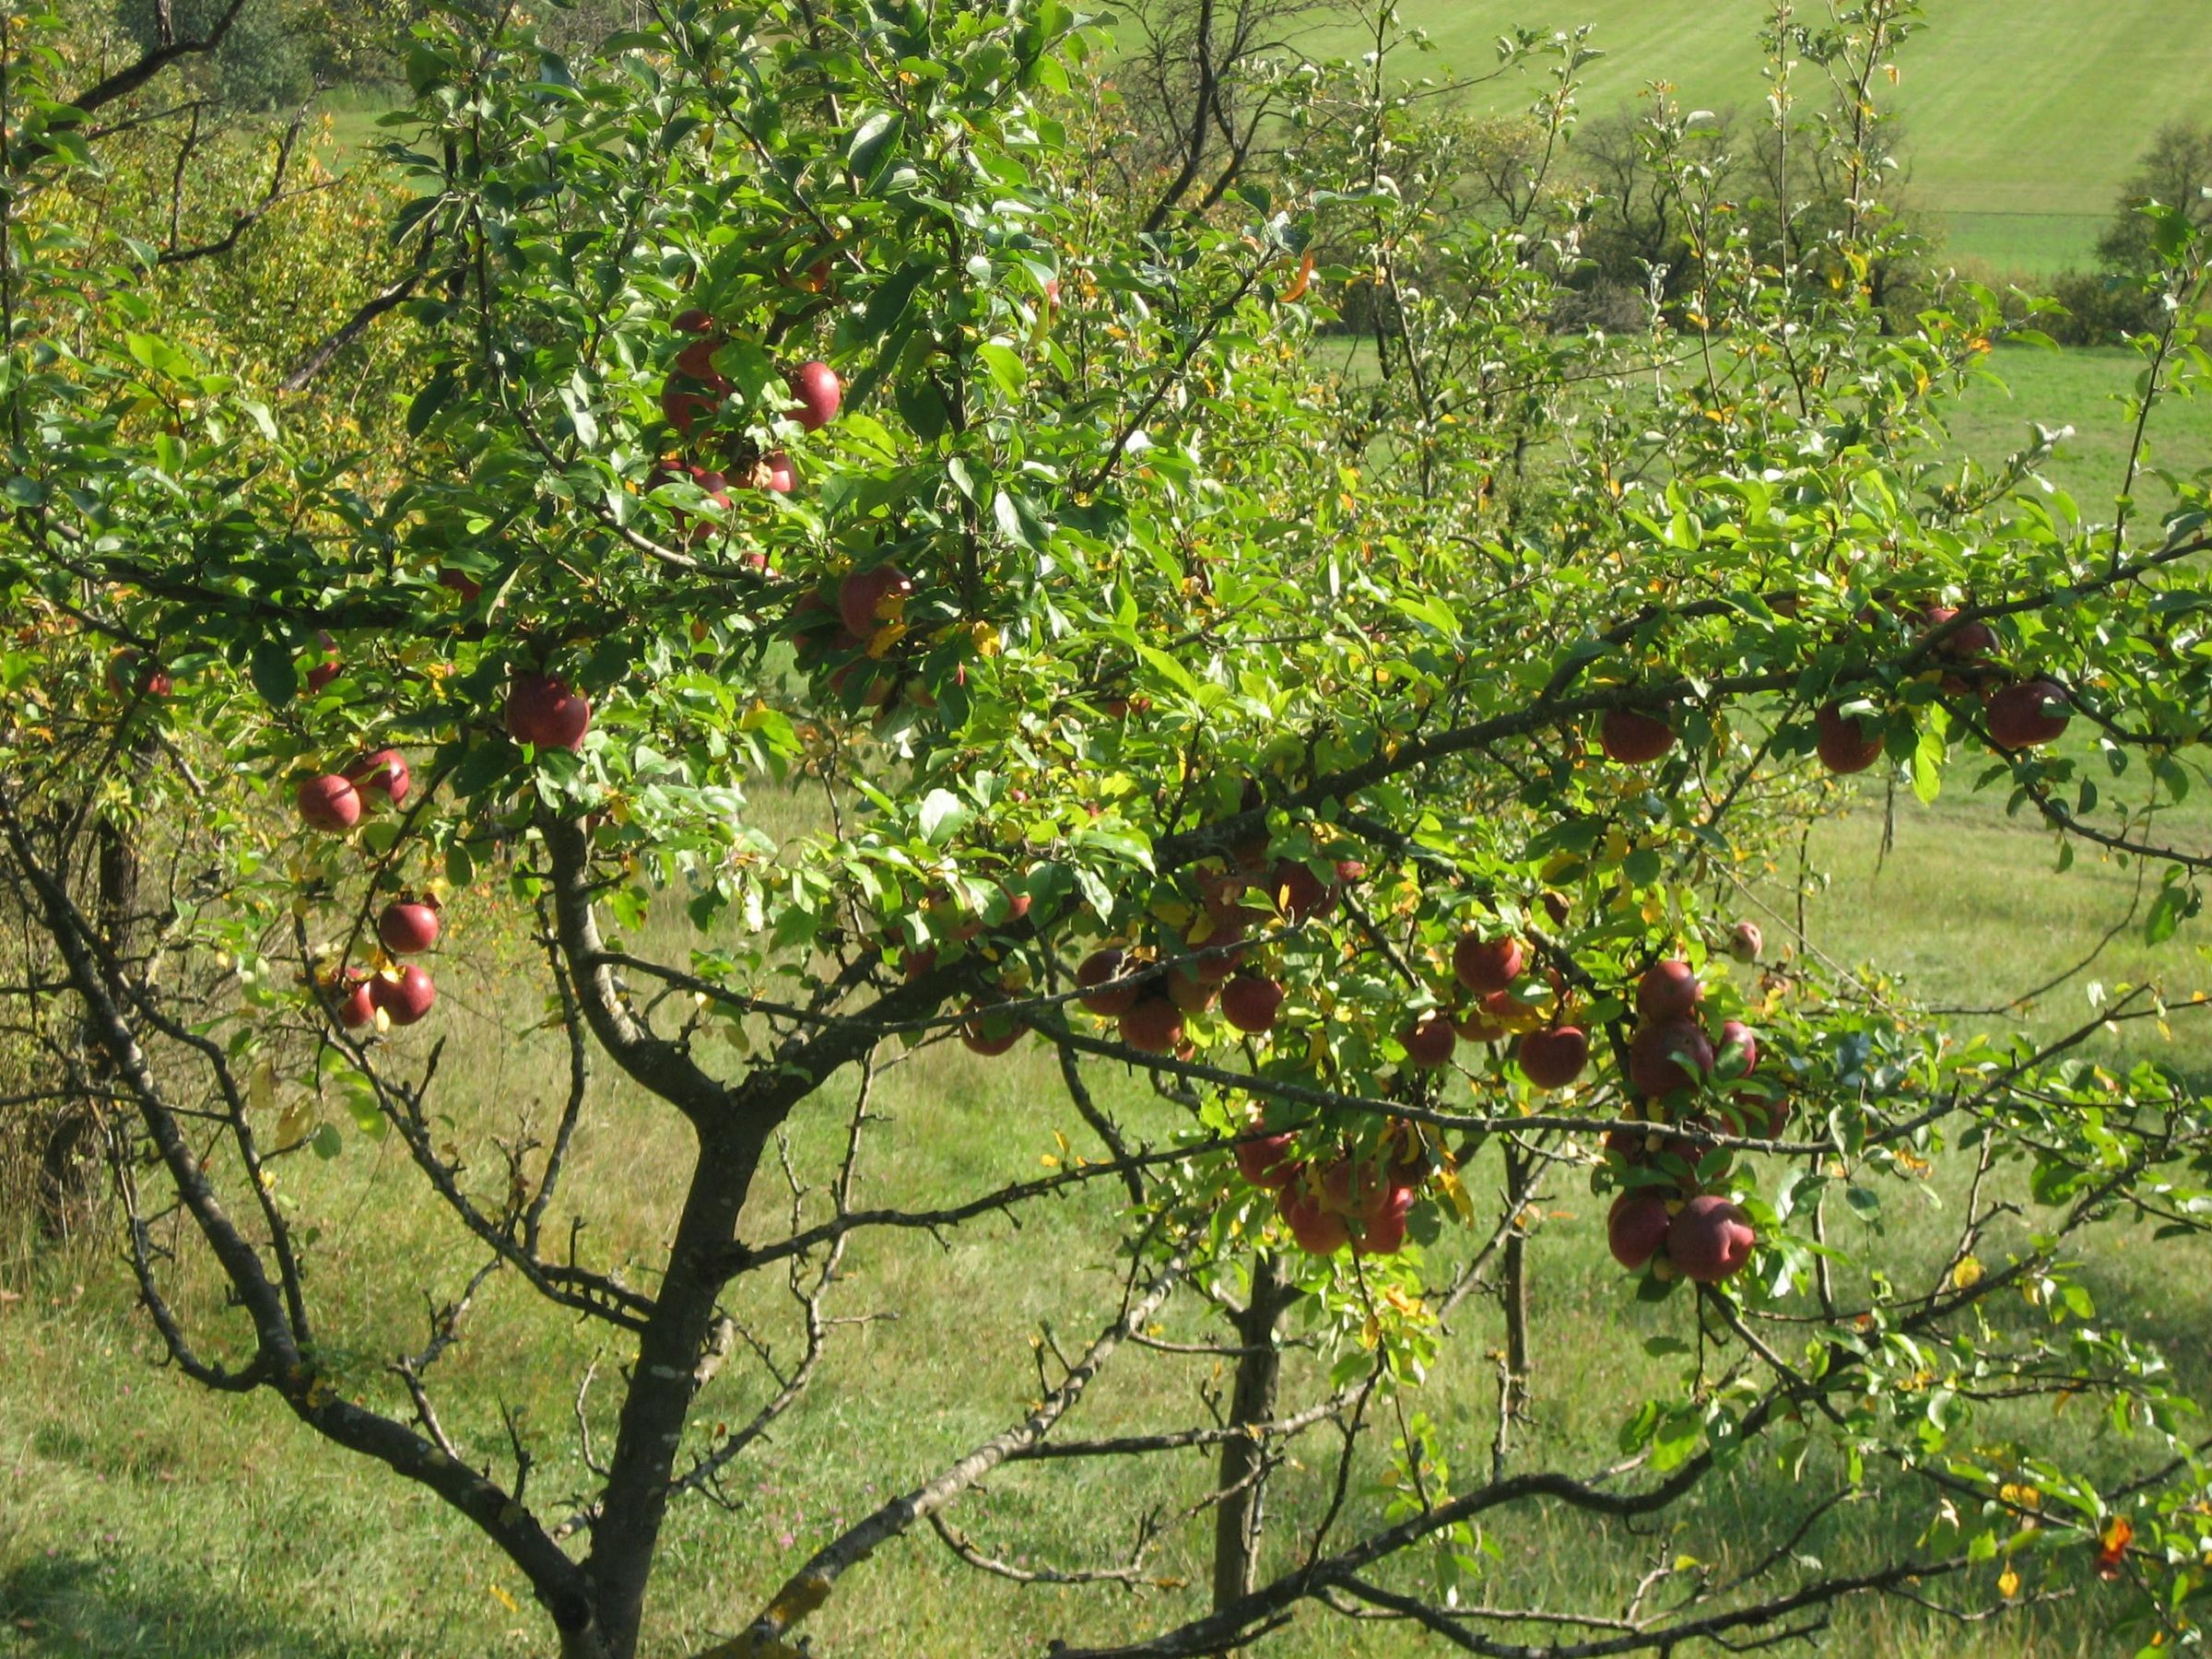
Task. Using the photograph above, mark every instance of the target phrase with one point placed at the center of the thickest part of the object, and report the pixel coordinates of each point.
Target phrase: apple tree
(849, 587)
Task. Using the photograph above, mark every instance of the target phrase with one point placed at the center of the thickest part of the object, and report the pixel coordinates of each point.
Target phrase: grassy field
(2086, 389)
(2009, 106)
(140, 1516)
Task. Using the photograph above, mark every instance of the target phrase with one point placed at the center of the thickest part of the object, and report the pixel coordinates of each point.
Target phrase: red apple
(131, 674)
(1709, 1240)
(873, 693)
(1476, 1026)
(408, 926)
(1485, 965)
(459, 581)
(2026, 716)
(1153, 1026)
(1219, 956)
(1429, 1040)
(1101, 967)
(1633, 738)
(329, 802)
(1410, 1168)
(325, 662)
(1636, 1226)
(686, 401)
(1384, 1233)
(406, 999)
(1734, 1036)
(1267, 1162)
(1846, 743)
(1746, 942)
(1668, 1055)
(866, 599)
(1553, 1058)
(819, 391)
(357, 1004)
(1976, 638)
(545, 713)
(984, 1032)
(1668, 990)
(1318, 1232)
(385, 773)
(1190, 990)
(1300, 894)
(1356, 1189)
(782, 477)
(696, 357)
(1251, 1002)
(713, 485)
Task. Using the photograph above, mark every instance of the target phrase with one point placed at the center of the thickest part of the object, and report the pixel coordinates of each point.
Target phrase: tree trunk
(67, 1182)
(1516, 1288)
(662, 1385)
(1238, 1517)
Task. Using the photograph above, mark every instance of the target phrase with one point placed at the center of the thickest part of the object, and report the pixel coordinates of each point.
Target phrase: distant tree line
(1213, 92)
(278, 52)
(2123, 294)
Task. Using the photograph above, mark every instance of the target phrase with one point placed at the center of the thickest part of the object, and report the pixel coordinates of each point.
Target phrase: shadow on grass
(80, 1605)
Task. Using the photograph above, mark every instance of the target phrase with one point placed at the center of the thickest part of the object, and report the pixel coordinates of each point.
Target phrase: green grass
(2015, 135)
(2086, 389)
(140, 1516)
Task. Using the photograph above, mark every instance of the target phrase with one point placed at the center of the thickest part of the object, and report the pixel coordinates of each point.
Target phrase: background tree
(852, 589)
(2176, 171)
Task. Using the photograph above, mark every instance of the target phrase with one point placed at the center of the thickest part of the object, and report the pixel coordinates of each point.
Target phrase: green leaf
(872, 138)
(888, 304)
(2166, 913)
(1927, 767)
(1007, 370)
(1173, 672)
(274, 671)
(943, 815)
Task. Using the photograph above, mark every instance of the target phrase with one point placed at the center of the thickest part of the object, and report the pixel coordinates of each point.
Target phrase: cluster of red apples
(2018, 713)
(1673, 1058)
(860, 619)
(334, 802)
(1146, 991)
(543, 711)
(692, 396)
(1361, 1199)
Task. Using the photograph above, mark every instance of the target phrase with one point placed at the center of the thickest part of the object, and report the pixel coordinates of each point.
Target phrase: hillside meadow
(137, 1519)
(2022, 118)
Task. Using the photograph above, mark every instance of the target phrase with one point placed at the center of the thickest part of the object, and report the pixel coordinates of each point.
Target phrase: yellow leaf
(1967, 1275)
(505, 1600)
(2008, 1583)
(292, 1128)
(261, 1088)
(1456, 1189)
